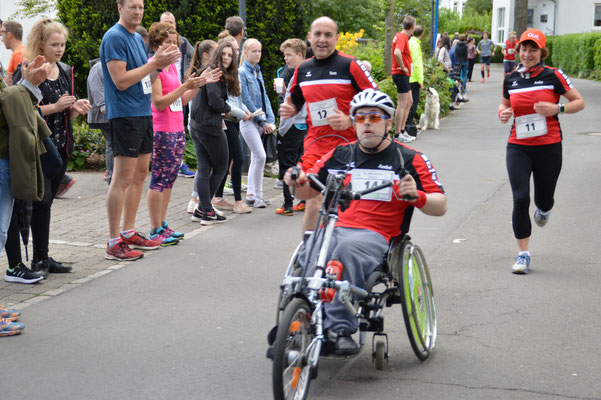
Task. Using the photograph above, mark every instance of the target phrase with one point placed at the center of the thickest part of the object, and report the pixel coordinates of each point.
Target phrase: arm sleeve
(296, 94)
(244, 93)
(114, 49)
(215, 98)
(235, 111)
(425, 175)
(562, 82)
(96, 86)
(361, 76)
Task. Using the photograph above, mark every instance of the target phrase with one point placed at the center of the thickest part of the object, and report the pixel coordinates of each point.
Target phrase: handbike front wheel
(291, 368)
(417, 300)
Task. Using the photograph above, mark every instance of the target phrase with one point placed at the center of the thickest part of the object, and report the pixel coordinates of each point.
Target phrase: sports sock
(128, 234)
(114, 241)
(482, 72)
(524, 253)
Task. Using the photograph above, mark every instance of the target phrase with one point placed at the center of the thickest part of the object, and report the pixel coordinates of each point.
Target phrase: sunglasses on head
(373, 117)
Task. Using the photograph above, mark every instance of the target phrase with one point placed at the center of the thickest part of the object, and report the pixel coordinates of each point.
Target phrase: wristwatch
(562, 108)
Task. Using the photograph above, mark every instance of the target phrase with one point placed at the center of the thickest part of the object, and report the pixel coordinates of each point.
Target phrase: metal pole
(435, 26)
(242, 10)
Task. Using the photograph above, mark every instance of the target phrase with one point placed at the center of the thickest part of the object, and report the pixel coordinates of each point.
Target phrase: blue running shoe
(171, 232)
(522, 265)
(9, 315)
(185, 171)
(163, 237)
(541, 218)
(8, 328)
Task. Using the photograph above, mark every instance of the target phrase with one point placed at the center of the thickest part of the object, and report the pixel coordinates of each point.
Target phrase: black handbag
(51, 160)
(270, 146)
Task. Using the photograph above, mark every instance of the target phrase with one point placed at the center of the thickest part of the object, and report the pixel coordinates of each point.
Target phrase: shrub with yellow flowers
(348, 41)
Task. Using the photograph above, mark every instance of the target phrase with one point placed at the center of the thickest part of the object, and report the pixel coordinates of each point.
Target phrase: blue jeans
(6, 201)
(464, 69)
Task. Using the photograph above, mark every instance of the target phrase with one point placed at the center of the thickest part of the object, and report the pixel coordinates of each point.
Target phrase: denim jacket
(251, 92)
(238, 109)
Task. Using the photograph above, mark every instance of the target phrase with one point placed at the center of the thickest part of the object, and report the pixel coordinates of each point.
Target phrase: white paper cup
(279, 85)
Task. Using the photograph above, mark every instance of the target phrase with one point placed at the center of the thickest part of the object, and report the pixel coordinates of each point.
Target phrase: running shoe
(260, 203)
(8, 328)
(139, 241)
(9, 315)
(278, 184)
(121, 251)
(285, 210)
(541, 218)
(212, 218)
(241, 208)
(250, 202)
(185, 171)
(191, 206)
(243, 186)
(163, 237)
(482, 80)
(171, 232)
(227, 188)
(404, 137)
(522, 265)
(222, 204)
(300, 207)
(64, 186)
(196, 215)
(21, 274)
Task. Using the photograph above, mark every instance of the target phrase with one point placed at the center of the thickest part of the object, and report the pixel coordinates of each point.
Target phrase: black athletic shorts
(485, 60)
(131, 136)
(402, 83)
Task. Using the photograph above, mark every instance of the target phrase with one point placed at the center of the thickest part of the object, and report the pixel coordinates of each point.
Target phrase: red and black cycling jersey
(388, 218)
(338, 76)
(524, 89)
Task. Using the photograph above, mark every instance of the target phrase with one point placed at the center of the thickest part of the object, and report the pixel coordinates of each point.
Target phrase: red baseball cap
(535, 36)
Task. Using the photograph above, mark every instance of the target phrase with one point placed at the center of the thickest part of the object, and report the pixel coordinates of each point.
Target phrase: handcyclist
(325, 84)
(362, 233)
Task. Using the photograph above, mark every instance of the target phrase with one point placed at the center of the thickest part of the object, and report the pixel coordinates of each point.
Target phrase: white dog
(429, 119)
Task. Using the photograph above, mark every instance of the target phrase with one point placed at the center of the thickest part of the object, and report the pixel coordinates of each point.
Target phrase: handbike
(298, 340)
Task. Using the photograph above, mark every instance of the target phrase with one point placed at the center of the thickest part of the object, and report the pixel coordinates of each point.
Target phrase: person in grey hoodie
(97, 114)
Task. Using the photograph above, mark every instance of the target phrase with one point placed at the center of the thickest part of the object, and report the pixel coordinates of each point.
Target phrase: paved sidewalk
(79, 233)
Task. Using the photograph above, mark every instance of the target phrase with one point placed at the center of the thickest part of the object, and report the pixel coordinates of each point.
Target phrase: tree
(352, 15)
(479, 6)
(34, 8)
(520, 16)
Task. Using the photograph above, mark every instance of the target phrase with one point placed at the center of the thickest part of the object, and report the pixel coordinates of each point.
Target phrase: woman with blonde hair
(254, 98)
(59, 106)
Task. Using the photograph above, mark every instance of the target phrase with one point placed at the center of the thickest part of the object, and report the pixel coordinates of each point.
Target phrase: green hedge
(577, 54)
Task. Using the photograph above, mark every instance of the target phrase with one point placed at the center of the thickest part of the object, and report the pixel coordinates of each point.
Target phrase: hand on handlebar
(294, 175)
(406, 188)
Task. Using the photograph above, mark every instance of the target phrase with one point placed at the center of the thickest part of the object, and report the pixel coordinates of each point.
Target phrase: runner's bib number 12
(320, 110)
(531, 125)
(177, 105)
(367, 178)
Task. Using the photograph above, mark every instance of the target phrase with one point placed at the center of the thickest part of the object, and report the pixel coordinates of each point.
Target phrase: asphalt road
(190, 322)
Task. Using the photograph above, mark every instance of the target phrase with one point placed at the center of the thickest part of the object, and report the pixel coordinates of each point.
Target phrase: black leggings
(544, 164)
(13, 240)
(40, 215)
(212, 156)
(236, 157)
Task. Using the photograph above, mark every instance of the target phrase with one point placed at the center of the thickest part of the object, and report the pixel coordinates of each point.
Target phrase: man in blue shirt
(128, 78)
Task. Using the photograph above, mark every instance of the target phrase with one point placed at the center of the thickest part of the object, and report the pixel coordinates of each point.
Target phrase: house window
(501, 18)
(530, 17)
(455, 7)
(543, 18)
(597, 20)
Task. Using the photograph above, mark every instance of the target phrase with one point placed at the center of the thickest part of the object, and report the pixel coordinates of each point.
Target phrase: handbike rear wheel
(417, 300)
(291, 368)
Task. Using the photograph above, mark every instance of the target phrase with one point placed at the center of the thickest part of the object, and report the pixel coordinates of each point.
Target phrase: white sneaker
(191, 206)
(259, 203)
(404, 137)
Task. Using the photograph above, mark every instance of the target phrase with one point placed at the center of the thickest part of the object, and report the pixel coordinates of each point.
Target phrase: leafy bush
(451, 22)
(190, 154)
(88, 148)
(373, 52)
(577, 54)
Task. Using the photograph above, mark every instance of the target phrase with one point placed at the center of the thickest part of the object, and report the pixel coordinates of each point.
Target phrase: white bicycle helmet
(372, 98)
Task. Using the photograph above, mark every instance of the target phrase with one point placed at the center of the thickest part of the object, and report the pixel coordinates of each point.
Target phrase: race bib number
(531, 125)
(367, 178)
(511, 51)
(320, 110)
(146, 85)
(177, 105)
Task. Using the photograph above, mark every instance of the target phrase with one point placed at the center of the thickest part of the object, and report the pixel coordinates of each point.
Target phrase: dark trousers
(470, 67)
(13, 241)
(212, 157)
(290, 149)
(543, 163)
(40, 215)
(236, 158)
(415, 95)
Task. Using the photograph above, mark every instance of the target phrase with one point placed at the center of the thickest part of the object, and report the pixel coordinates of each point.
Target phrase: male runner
(326, 83)
(127, 88)
(401, 72)
(361, 236)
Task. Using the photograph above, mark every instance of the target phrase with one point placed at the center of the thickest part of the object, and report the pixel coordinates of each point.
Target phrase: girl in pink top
(169, 96)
